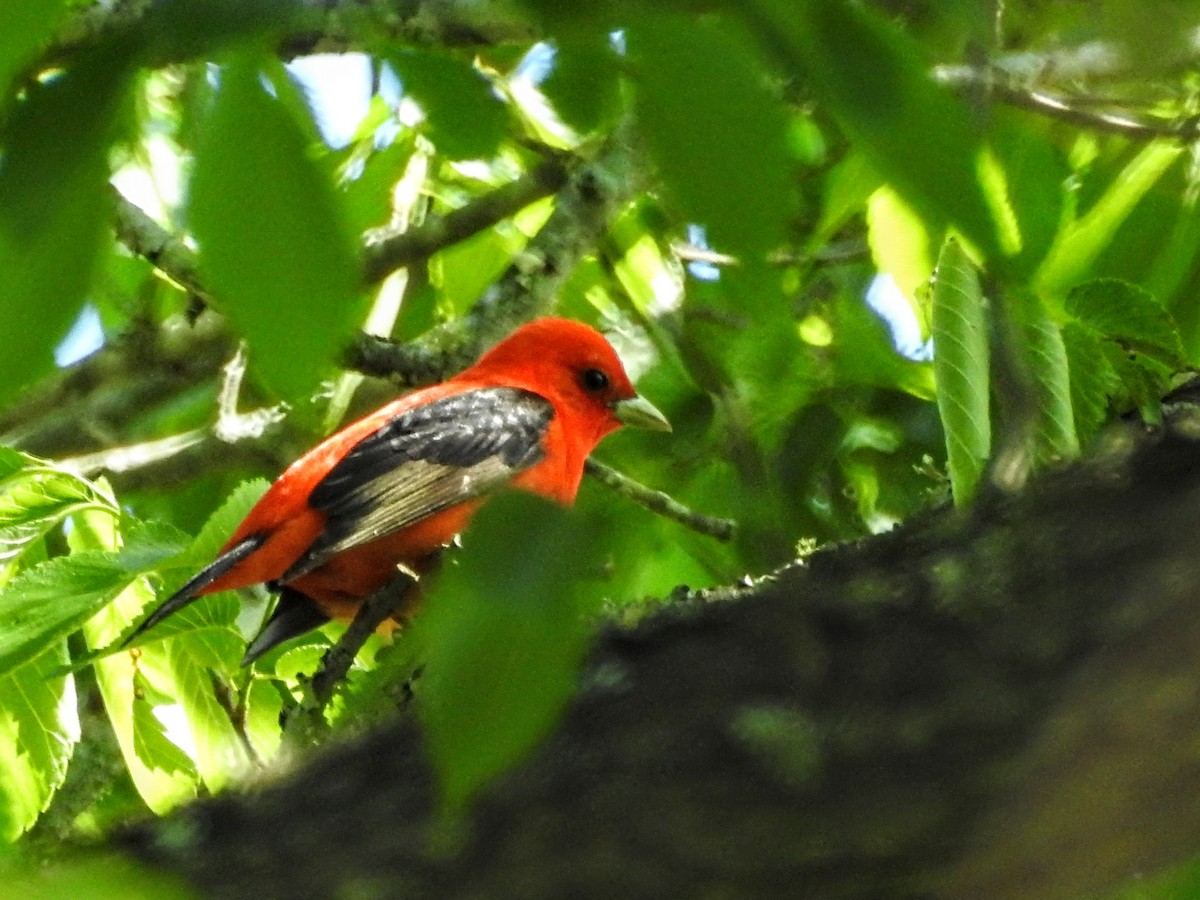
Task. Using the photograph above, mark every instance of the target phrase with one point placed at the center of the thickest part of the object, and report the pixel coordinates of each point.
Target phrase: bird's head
(576, 368)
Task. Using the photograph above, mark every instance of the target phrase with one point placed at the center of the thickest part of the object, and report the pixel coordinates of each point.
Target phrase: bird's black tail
(294, 615)
(195, 586)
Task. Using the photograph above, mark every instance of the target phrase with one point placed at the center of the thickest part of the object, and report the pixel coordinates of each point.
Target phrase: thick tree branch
(83, 405)
(996, 703)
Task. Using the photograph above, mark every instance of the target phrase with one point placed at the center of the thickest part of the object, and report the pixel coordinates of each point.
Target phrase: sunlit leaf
(39, 726)
(219, 753)
(44, 604)
(263, 707)
(901, 245)
(162, 773)
(35, 495)
(1079, 244)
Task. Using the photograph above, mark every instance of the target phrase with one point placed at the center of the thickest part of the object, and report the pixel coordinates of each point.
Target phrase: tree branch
(1070, 109)
(309, 26)
(385, 251)
(658, 502)
(583, 211)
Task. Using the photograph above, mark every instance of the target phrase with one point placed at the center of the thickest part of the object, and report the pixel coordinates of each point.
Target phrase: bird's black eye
(593, 380)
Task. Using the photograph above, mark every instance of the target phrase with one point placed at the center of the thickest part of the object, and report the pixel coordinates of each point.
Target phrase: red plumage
(393, 488)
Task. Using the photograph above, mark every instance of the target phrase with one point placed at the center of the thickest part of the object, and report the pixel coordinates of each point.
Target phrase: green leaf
(367, 199)
(34, 497)
(1035, 179)
(55, 202)
(1041, 344)
(1093, 379)
(218, 751)
(875, 79)
(1080, 244)
(584, 87)
(43, 605)
(224, 522)
(960, 360)
(180, 669)
(264, 703)
(26, 26)
(96, 875)
(162, 773)
(39, 727)
(287, 268)
(465, 117)
(1129, 315)
(505, 633)
(717, 132)
(182, 29)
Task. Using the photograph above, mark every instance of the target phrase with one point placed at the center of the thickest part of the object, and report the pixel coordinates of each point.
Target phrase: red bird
(394, 488)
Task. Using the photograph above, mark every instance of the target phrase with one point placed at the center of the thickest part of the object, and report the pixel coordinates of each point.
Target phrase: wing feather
(425, 460)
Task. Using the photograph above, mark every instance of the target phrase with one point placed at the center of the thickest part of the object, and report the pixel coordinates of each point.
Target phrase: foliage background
(718, 185)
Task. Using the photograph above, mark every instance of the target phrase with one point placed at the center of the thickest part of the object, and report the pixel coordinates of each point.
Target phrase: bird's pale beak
(638, 412)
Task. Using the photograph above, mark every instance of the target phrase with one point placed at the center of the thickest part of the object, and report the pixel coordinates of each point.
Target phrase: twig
(386, 251)
(62, 414)
(231, 425)
(658, 502)
(167, 252)
(1068, 108)
(306, 720)
(834, 252)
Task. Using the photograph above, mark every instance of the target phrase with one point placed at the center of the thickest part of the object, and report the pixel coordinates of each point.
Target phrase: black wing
(423, 461)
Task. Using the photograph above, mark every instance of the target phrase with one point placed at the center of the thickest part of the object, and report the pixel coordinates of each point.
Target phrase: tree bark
(994, 703)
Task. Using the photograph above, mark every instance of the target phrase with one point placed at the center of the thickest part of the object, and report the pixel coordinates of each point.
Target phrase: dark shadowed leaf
(25, 26)
(584, 86)
(875, 79)
(505, 633)
(55, 203)
(717, 131)
(466, 119)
